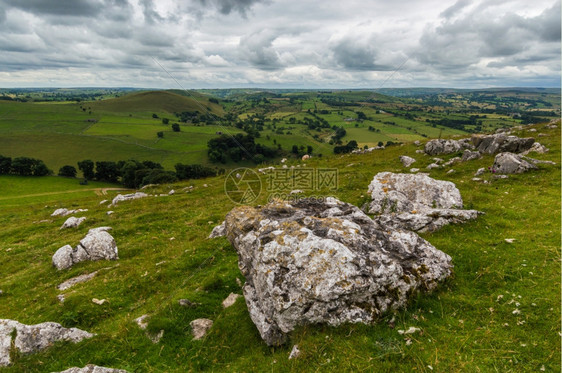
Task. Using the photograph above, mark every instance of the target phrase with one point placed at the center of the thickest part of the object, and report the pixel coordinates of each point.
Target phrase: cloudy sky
(279, 43)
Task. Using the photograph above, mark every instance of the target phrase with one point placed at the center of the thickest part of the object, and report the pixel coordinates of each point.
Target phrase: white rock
(295, 352)
(104, 201)
(230, 300)
(407, 161)
(171, 192)
(218, 231)
(127, 197)
(200, 327)
(99, 301)
(93, 369)
(72, 222)
(510, 240)
(142, 321)
(76, 280)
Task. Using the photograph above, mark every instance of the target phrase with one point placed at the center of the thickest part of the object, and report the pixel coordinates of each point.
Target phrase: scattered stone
(33, 338)
(295, 352)
(537, 148)
(171, 192)
(205, 186)
(265, 170)
(104, 201)
(187, 303)
(509, 163)
(1, 292)
(96, 245)
(72, 222)
(437, 160)
(238, 282)
(417, 143)
(200, 327)
(368, 150)
(148, 186)
(109, 213)
(500, 176)
(155, 338)
(414, 169)
(441, 146)
(510, 240)
(432, 166)
(160, 263)
(296, 191)
(452, 161)
(305, 157)
(76, 280)
(90, 368)
(551, 126)
(476, 179)
(469, 155)
(42, 221)
(141, 321)
(419, 151)
(406, 161)
(416, 202)
(492, 144)
(284, 160)
(532, 130)
(65, 212)
(218, 231)
(230, 300)
(127, 197)
(480, 171)
(99, 302)
(310, 261)
(411, 330)
(61, 297)
(451, 171)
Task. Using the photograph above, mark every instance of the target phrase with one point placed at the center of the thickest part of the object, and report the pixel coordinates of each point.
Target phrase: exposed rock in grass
(127, 197)
(492, 144)
(155, 337)
(187, 303)
(171, 192)
(96, 245)
(230, 300)
(441, 146)
(433, 165)
(33, 338)
(99, 302)
(469, 155)
(72, 222)
(218, 231)
(414, 169)
(65, 212)
(509, 163)
(452, 161)
(200, 327)
(311, 261)
(451, 171)
(536, 148)
(406, 161)
(93, 369)
(416, 202)
(295, 352)
(76, 280)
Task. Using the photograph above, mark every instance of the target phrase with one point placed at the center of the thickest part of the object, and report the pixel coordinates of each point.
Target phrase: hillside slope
(499, 312)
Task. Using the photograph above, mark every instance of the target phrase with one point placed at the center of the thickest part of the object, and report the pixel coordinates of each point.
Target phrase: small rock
(109, 213)
(99, 301)
(510, 240)
(432, 166)
(155, 338)
(532, 130)
(230, 300)
(295, 352)
(171, 192)
(127, 197)
(93, 369)
(61, 297)
(72, 222)
(187, 303)
(451, 171)
(238, 282)
(480, 171)
(305, 157)
(205, 186)
(200, 327)
(104, 201)
(297, 191)
(407, 161)
(419, 151)
(142, 321)
(76, 280)
(470, 155)
(476, 179)
(414, 169)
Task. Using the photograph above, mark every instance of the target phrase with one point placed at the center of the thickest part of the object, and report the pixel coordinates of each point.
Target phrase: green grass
(466, 325)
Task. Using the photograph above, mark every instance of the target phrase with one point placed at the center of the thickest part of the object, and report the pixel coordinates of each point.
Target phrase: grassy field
(469, 324)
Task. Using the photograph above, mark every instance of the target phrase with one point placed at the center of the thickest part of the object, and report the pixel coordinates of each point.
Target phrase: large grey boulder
(469, 155)
(96, 245)
(416, 202)
(93, 369)
(536, 148)
(509, 163)
(497, 143)
(441, 146)
(33, 338)
(311, 261)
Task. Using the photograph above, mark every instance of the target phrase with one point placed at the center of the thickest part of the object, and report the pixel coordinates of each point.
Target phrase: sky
(301, 44)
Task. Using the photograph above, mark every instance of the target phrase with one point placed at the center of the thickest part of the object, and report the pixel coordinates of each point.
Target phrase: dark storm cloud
(229, 6)
(257, 49)
(355, 56)
(454, 9)
(57, 7)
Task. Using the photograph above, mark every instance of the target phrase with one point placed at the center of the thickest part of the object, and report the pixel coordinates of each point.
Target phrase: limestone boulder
(72, 222)
(406, 161)
(416, 202)
(33, 338)
(324, 261)
(441, 146)
(509, 163)
(93, 369)
(98, 244)
(497, 143)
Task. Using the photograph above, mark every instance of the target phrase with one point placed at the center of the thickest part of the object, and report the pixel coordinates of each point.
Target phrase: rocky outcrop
(93, 369)
(406, 161)
(509, 163)
(96, 245)
(441, 146)
(127, 197)
(218, 231)
(536, 148)
(416, 202)
(497, 143)
(72, 222)
(469, 155)
(311, 261)
(33, 338)
(65, 212)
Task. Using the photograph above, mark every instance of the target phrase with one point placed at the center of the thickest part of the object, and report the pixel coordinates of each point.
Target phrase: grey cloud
(257, 49)
(354, 55)
(453, 9)
(228, 6)
(58, 7)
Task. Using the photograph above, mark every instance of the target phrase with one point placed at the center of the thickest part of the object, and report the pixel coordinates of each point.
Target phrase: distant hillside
(157, 101)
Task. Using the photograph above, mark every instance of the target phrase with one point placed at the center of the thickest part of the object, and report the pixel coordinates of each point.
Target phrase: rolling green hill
(499, 312)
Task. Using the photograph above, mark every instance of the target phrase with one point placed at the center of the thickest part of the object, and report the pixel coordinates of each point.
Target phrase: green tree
(165, 121)
(5, 165)
(67, 171)
(160, 134)
(176, 127)
(87, 168)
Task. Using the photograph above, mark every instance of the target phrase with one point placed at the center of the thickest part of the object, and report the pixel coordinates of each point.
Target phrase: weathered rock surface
(127, 197)
(441, 146)
(497, 143)
(76, 280)
(33, 338)
(65, 212)
(96, 245)
(218, 231)
(416, 202)
(311, 261)
(200, 327)
(72, 222)
(536, 148)
(93, 369)
(509, 163)
(230, 300)
(469, 155)
(406, 161)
